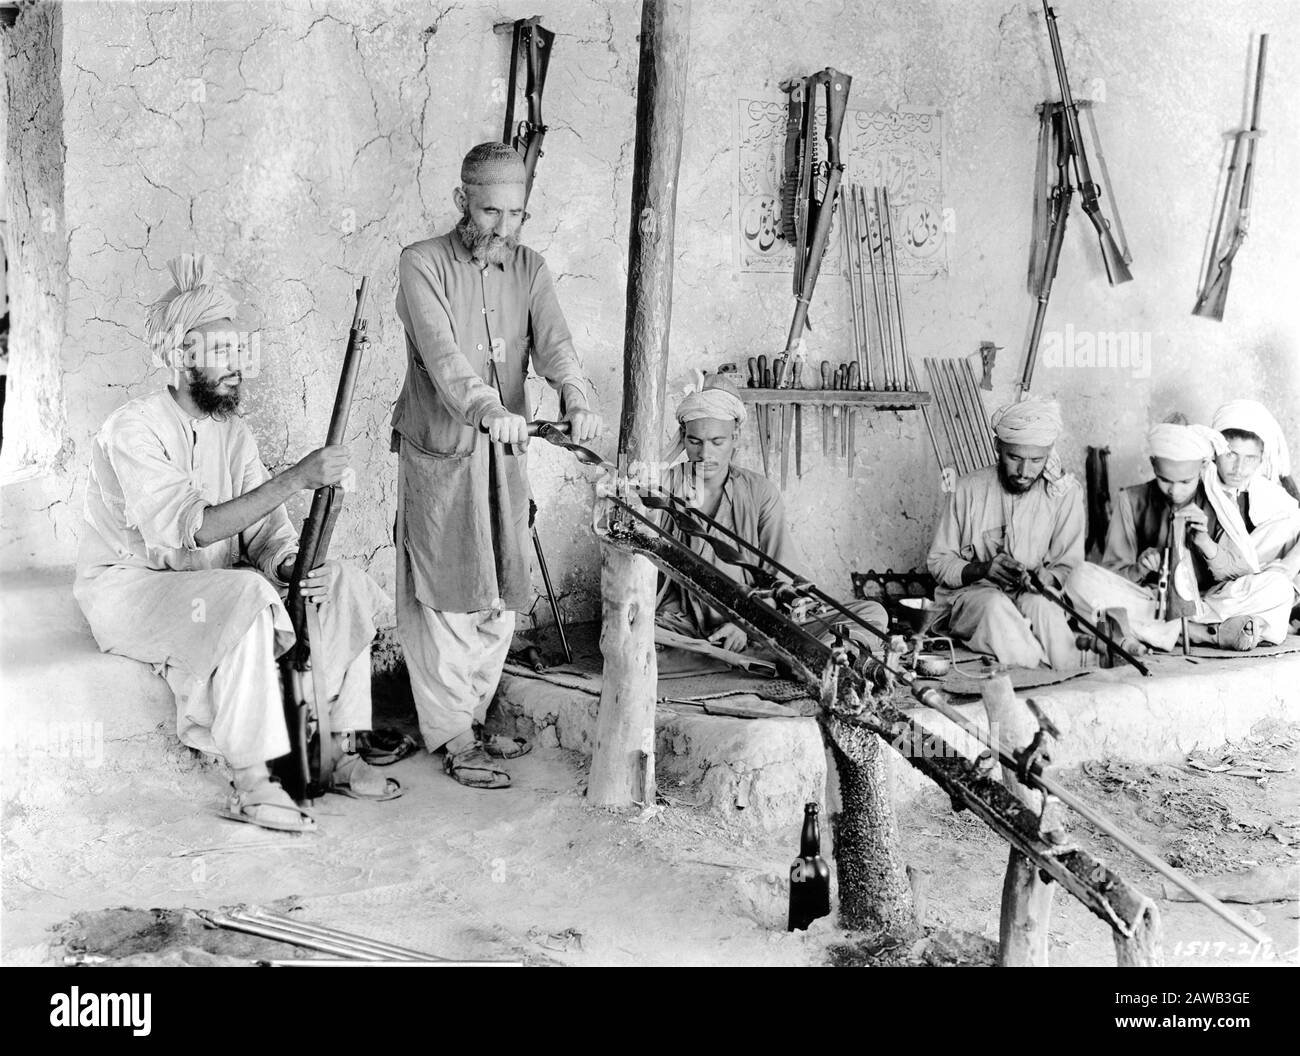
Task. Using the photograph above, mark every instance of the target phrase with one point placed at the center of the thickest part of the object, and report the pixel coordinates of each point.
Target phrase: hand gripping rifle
(813, 212)
(526, 137)
(305, 772)
(1214, 289)
(1114, 259)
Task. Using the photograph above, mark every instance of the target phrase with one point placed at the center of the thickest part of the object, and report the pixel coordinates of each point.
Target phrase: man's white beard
(484, 246)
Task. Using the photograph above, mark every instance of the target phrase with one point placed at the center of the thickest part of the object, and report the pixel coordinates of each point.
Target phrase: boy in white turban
(741, 499)
(1233, 604)
(187, 546)
(1255, 474)
(1022, 513)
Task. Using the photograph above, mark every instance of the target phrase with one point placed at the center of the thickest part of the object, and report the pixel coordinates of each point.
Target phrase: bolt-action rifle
(305, 772)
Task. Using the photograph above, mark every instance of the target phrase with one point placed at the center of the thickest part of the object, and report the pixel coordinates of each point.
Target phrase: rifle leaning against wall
(306, 771)
(535, 43)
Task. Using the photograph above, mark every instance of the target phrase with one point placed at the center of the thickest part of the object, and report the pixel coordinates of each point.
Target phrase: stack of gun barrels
(880, 360)
(869, 234)
(961, 410)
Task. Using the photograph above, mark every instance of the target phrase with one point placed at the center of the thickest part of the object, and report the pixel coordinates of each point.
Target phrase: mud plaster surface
(303, 144)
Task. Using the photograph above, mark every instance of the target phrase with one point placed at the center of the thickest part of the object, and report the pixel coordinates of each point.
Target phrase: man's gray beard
(484, 246)
(206, 397)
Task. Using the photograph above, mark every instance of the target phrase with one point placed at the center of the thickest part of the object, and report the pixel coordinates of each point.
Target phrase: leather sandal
(472, 766)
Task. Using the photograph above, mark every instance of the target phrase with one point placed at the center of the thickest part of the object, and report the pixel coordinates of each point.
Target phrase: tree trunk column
(622, 765)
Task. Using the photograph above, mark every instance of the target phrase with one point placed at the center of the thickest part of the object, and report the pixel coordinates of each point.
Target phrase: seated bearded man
(1022, 513)
(1214, 577)
(1255, 474)
(186, 551)
(742, 500)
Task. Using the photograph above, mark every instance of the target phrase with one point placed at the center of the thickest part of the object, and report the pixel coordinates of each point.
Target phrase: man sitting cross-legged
(1023, 513)
(742, 500)
(185, 545)
(1232, 603)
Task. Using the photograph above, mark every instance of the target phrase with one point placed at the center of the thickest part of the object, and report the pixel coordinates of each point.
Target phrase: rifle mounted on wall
(810, 188)
(531, 41)
(1059, 125)
(1213, 294)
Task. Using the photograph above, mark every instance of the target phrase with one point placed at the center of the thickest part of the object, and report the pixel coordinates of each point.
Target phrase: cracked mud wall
(36, 244)
(302, 145)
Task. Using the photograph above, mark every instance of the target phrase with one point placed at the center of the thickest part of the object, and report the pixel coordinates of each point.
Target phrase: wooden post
(1026, 899)
(1143, 949)
(622, 765)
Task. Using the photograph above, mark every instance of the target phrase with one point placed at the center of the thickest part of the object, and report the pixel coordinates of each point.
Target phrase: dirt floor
(535, 874)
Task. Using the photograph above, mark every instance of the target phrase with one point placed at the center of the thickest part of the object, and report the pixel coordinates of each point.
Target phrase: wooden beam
(622, 764)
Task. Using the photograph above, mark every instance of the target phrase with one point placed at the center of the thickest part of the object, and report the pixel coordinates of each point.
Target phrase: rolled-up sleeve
(945, 560)
(159, 499)
(554, 357)
(426, 314)
(267, 542)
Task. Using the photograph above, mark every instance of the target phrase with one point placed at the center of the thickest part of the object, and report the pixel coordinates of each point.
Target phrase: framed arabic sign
(902, 149)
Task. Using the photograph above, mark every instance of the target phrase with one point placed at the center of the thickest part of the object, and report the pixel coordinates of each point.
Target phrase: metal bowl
(932, 665)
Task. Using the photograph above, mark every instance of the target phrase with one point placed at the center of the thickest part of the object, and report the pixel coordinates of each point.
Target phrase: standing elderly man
(477, 307)
(186, 545)
(1024, 513)
(748, 503)
(1232, 603)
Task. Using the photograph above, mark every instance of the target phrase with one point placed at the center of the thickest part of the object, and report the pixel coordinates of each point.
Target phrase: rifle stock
(301, 776)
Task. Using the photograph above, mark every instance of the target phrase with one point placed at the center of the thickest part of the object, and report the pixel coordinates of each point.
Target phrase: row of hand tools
(781, 420)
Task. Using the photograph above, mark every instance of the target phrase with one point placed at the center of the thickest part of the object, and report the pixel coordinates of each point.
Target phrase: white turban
(711, 403)
(1199, 443)
(195, 299)
(1252, 417)
(1036, 423)
(1184, 443)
